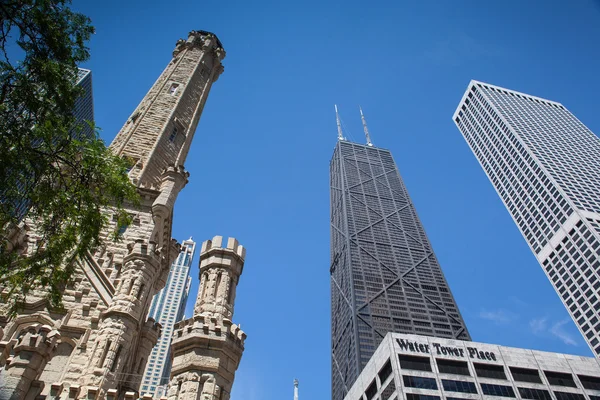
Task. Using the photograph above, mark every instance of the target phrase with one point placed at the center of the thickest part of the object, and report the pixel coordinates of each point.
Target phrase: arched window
(131, 283)
(230, 293)
(219, 276)
(203, 287)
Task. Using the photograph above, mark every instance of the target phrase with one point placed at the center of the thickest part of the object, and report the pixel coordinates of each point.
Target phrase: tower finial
(339, 124)
(364, 122)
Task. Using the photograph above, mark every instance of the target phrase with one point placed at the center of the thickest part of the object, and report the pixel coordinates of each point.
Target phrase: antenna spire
(364, 122)
(339, 124)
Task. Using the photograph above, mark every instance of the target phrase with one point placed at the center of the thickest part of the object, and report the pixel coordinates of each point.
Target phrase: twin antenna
(364, 122)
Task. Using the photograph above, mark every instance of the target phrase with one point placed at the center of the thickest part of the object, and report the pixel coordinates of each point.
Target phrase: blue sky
(259, 162)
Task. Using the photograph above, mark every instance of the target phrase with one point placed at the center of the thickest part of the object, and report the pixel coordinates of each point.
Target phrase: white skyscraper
(168, 307)
(545, 166)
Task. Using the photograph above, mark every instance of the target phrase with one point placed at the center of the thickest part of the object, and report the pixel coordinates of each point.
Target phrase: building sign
(471, 352)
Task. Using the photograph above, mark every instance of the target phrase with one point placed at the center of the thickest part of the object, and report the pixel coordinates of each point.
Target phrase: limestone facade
(207, 348)
(98, 346)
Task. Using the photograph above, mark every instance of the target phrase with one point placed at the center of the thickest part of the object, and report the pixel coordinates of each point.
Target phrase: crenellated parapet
(59, 391)
(212, 327)
(39, 339)
(142, 249)
(141, 267)
(31, 350)
(220, 269)
(207, 41)
(208, 347)
(151, 331)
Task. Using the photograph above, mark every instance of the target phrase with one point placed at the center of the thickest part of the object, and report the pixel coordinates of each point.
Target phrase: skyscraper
(84, 105)
(545, 166)
(168, 307)
(83, 111)
(384, 274)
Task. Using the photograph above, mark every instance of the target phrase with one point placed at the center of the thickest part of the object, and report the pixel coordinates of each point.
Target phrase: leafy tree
(61, 178)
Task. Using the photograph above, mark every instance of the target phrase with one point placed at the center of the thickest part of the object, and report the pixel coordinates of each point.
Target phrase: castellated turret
(208, 347)
(98, 346)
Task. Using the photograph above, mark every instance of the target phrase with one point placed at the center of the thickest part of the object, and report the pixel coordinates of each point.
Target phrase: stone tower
(207, 348)
(98, 347)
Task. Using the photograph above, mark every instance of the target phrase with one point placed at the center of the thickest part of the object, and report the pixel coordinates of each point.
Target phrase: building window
(390, 390)
(419, 382)
(525, 375)
(490, 371)
(173, 135)
(371, 390)
(413, 396)
(385, 372)
(414, 363)
(104, 353)
(121, 229)
(454, 398)
(534, 394)
(130, 162)
(560, 379)
(568, 396)
(116, 359)
(497, 390)
(173, 89)
(459, 386)
(590, 382)
(453, 367)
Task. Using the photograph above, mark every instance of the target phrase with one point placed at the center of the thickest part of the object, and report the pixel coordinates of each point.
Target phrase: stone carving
(208, 347)
(106, 305)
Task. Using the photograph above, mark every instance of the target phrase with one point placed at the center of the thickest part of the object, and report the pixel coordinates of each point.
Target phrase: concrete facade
(97, 348)
(416, 367)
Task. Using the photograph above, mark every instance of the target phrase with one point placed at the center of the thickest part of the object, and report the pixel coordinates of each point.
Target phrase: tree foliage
(60, 179)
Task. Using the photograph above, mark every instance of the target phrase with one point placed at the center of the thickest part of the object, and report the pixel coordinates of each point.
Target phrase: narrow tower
(208, 347)
(98, 346)
(384, 274)
(167, 308)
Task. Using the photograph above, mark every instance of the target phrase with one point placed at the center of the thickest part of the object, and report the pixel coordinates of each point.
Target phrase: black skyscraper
(384, 274)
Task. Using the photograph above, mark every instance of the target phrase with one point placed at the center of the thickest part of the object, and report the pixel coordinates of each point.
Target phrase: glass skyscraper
(545, 166)
(168, 307)
(384, 274)
(83, 111)
(84, 105)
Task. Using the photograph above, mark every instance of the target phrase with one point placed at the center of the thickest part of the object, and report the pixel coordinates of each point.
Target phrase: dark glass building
(384, 274)
(83, 111)
(84, 105)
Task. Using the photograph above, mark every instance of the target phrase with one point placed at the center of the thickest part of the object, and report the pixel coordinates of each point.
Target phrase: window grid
(545, 166)
(167, 308)
(384, 274)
